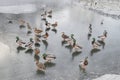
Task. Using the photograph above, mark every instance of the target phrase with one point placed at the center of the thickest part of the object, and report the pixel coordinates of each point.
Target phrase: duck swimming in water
(64, 36)
(22, 24)
(29, 44)
(29, 29)
(50, 12)
(95, 44)
(76, 47)
(49, 57)
(83, 64)
(54, 25)
(104, 36)
(45, 35)
(37, 51)
(37, 31)
(19, 41)
(40, 66)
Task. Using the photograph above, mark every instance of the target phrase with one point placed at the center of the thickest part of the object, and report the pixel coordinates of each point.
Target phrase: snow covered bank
(109, 77)
(17, 9)
(110, 10)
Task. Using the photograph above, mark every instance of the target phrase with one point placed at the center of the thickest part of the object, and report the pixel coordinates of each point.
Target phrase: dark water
(21, 66)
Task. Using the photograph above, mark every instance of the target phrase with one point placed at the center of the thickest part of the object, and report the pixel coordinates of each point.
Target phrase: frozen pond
(75, 20)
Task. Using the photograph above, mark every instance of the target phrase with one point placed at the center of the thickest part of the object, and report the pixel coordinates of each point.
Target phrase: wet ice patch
(17, 9)
(109, 77)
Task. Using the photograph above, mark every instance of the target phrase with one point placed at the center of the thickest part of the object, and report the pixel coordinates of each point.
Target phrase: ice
(17, 9)
(109, 77)
(4, 49)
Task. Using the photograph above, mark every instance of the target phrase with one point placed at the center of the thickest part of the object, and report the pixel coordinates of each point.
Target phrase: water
(21, 66)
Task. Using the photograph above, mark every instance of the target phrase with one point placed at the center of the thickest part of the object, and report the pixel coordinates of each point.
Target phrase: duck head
(31, 40)
(93, 41)
(44, 55)
(17, 38)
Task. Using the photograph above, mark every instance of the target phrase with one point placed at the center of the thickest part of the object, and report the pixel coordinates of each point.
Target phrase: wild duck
(40, 66)
(19, 41)
(37, 51)
(45, 35)
(37, 31)
(90, 28)
(84, 63)
(50, 12)
(30, 43)
(28, 26)
(48, 57)
(54, 25)
(104, 36)
(95, 44)
(64, 36)
(22, 24)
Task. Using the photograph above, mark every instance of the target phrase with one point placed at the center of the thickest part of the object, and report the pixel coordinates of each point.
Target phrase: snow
(17, 9)
(102, 7)
(109, 77)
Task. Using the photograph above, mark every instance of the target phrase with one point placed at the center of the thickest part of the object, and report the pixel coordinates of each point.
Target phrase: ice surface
(109, 77)
(4, 49)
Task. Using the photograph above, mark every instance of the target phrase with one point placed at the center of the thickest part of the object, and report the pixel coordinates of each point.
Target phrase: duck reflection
(94, 51)
(102, 43)
(63, 42)
(29, 51)
(40, 72)
(76, 53)
(70, 47)
(49, 64)
(45, 43)
(54, 30)
(20, 48)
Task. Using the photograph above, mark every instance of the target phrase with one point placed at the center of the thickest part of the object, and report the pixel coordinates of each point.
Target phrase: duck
(36, 57)
(64, 36)
(95, 44)
(37, 40)
(47, 28)
(45, 35)
(44, 14)
(47, 23)
(37, 51)
(49, 57)
(19, 41)
(28, 26)
(29, 29)
(22, 24)
(54, 25)
(37, 31)
(30, 43)
(83, 64)
(40, 66)
(104, 36)
(90, 28)
(75, 46)
(50, 12)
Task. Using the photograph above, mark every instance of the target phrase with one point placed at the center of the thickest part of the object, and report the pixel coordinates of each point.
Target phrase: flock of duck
(40, 35)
